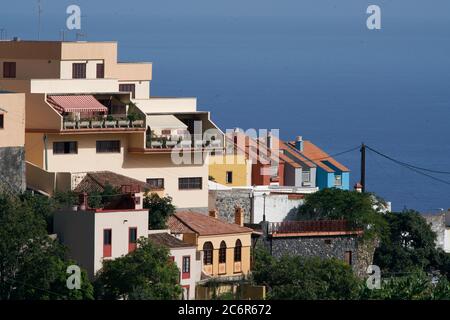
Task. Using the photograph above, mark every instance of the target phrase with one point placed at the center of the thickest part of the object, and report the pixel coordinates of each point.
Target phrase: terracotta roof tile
(96, 181)
(203, 224)
(168, 240)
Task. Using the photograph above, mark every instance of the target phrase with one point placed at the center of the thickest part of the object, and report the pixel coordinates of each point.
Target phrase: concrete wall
(196, 267)
(278, 207)
(76, 231)
(82, 233)
(138, 166)
(12, 107)
(119, 222)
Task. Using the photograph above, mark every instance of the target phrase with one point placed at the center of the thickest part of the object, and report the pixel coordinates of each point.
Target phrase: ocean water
(319, 74)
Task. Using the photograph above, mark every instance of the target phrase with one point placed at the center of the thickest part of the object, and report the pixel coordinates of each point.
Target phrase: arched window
(238, 251)
(223, 252)
(208, 253)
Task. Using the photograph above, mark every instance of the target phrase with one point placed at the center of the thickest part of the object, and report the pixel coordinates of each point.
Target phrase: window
(107, 242)
(208, 253)
(100, 71)
(306, 176)
(166, 132)
(128, 87)
(156, 183)
(65, 147)
(9, 69)
(190, 183)
(348, 257)
(186, 267)
(223, 252)
(238, 251)
(108, 146)
(2, 121)
(338, 180)
(132, 239)
(229, 177)
(79, 71)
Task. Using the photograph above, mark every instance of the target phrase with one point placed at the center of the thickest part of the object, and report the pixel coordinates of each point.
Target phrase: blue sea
(306, 69)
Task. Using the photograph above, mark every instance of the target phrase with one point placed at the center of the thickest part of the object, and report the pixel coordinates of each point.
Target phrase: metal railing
(309, 226)
(115, 121)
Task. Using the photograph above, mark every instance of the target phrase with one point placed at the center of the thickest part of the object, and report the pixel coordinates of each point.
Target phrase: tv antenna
(39, 19)
(3, 34)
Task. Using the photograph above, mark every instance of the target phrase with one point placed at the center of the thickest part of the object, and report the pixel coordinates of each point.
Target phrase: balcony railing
(179, 142)
(112, 121)
(310, 226)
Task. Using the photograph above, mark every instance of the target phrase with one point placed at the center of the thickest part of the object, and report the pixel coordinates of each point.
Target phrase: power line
(410, 167)
(337, 154)
(408, 164)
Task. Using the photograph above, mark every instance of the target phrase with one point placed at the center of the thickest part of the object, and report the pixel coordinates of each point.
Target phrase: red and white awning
(81, 103)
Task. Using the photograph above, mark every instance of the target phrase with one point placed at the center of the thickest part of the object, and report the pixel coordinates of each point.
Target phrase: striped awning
(81, 103)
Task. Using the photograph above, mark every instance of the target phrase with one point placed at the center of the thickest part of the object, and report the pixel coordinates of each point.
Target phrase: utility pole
(363, 167)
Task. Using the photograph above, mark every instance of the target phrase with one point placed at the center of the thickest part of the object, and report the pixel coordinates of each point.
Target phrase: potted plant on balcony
(135, 120)
(123, 122)
(96, 122)
(110, 122)
(69, 122)
(83, 123)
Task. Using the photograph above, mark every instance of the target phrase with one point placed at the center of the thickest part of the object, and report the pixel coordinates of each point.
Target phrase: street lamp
(264, 208)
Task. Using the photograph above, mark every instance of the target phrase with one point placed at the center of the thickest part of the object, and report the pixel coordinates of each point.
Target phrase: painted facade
(49, 71)
(12, 141)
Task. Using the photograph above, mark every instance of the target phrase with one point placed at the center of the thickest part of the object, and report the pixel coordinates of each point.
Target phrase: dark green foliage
(410, 245)
(32, 265)
(144, 274)
(355, 207)
(159, 210)
(304, 278)
(416, 285)
(97, 200)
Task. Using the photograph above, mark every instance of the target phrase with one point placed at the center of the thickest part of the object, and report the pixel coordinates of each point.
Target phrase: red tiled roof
(167, 240)
(317, 155)
(79, 103)
(176, 226)
(96, 182)
(205, 225)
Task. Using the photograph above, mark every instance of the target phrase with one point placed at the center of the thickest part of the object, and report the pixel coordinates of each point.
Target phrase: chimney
(213, 213)
(299, 143)
(269, 141)
(239, 216)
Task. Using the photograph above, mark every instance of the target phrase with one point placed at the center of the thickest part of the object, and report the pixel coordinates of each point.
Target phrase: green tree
(294, 277)
(416, 285)
(359, 209)
(32, 265)
(145, 274)
(410, 245)
(159, 210)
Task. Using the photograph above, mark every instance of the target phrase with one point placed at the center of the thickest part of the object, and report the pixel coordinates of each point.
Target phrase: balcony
(89, 113)
(312, 228)
(95, 122)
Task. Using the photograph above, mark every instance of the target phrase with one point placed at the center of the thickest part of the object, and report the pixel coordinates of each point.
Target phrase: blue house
(329, 172)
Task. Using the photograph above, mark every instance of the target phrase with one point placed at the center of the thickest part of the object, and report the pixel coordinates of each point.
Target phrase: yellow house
(87, 112)
(226, 247)
(230, 168)
(12, 140)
